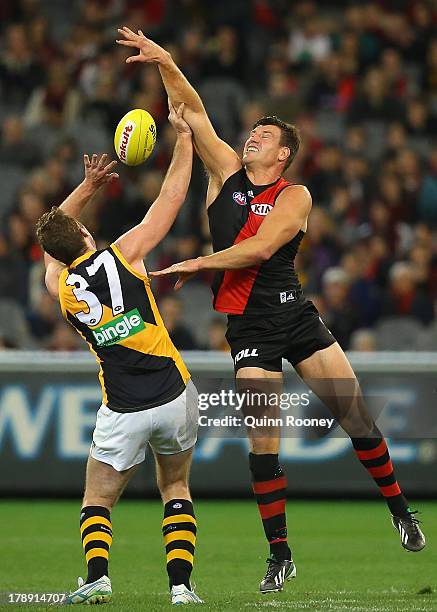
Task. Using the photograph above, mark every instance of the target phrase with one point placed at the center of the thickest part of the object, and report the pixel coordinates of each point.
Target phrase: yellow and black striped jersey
(112, 307)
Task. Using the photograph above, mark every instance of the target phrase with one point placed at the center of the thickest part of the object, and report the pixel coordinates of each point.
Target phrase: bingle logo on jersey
(246, 353)
(124, 140)
(261, 209)
(239, 198)
(119, 328)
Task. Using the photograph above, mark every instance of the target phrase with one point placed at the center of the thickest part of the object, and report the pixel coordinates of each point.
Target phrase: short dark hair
(60, 236)
(290, 136)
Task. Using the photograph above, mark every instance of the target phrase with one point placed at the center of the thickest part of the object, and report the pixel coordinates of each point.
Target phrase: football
(135, 137)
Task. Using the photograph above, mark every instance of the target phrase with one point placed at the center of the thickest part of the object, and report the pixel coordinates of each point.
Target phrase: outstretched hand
(97, 172)
(184, 269)
(149, 51)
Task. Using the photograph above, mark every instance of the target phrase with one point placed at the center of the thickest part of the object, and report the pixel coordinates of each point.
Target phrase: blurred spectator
(216, 335)
(19, 71)
(170, 308)
(427, 200)
(57, 102)
(15, 149)
(44, 318)
(339, 315)
(403, 296)
(375, 101)
(63, 338)
(310, 43)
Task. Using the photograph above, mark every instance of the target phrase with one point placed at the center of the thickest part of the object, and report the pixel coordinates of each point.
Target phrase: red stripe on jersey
(269, 485)
(236, 286)
(390, 490)
(235, 289)
(273, 509)
(382, 470)
(374, 453)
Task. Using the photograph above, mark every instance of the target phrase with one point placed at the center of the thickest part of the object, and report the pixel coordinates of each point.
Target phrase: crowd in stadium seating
(358, 78)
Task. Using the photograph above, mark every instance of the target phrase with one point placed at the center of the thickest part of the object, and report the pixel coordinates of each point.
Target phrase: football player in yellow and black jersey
(148, 397)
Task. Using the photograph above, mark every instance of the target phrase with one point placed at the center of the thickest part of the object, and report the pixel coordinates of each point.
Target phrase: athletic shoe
(181, 595)
(277, 573)
(96, 592)
(412, 537)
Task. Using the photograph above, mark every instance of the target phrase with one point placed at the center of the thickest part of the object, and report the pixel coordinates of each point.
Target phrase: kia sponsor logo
(246, 353)
(124, 140)
(239, 198)
(261, 209)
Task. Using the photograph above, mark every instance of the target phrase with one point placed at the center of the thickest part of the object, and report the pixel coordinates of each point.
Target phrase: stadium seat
(398, 333)
(330, 126)
(427, 338)
(90, 136)
(223, 100)
(11, 178)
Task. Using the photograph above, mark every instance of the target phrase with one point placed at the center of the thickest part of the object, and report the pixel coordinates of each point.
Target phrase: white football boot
(181, 595)
(96, 592)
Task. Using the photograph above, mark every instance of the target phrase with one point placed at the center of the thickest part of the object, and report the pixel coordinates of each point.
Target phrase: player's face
(263, 146)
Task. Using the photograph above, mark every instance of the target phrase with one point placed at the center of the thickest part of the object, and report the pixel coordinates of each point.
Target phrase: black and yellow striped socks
(96, 533)
(179, 529)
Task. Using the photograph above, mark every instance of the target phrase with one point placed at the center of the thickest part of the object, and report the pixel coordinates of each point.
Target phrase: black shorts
(263, 341)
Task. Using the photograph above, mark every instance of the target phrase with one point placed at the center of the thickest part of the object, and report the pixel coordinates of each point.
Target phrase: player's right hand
(176, 119)
(184, 269)
(149, 51)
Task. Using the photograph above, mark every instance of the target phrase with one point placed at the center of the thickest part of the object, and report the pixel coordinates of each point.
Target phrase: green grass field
(347, 554)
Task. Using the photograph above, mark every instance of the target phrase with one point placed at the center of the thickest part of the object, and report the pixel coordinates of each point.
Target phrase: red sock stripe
(391, 490)
(269, 486)
(273, 509)
(382, 470)
(277, 540)
(374, 453)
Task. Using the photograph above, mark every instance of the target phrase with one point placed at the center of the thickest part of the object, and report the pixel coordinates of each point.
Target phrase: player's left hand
(98, 172)
(148, 51)
(184, 269)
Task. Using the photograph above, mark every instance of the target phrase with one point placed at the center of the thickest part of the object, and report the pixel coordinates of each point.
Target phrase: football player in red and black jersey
(257, 221)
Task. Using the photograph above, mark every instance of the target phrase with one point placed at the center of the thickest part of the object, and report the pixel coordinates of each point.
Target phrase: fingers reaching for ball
(97, 171)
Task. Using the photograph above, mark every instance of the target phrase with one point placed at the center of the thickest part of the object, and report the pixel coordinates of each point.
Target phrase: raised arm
(97, 174)
(141, 239)
(279, 227)
(219, 158)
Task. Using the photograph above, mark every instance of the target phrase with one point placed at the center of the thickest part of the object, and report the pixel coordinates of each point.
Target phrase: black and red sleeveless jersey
(236, 214)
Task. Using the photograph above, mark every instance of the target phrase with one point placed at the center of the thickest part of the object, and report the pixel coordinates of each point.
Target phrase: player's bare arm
(97, 174)
(279, 227)
(141, 239)
(219, 158)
